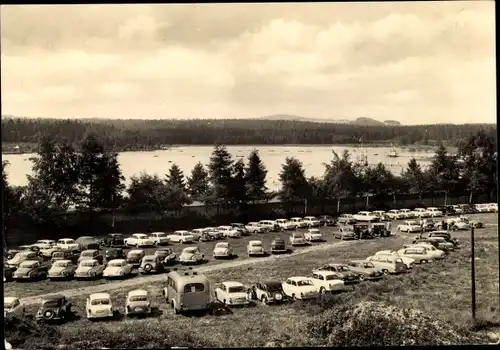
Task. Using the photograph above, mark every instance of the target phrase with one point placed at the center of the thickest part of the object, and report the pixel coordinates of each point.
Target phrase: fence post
(473, 275)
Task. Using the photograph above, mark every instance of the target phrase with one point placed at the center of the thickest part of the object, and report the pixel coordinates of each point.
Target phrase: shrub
(26, 334)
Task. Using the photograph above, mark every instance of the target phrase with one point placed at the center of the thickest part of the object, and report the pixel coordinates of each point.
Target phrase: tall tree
(148, 193)
(444, 174)
(255, 177)
(379, 180)
(339, 179)
(237, 193)
(11, 199)
(175, 177)
(198, 186)
(220, 171)
(294, 186)
(415, 178)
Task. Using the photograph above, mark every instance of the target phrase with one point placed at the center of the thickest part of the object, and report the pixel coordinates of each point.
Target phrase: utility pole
(473, 274)
(305, 206)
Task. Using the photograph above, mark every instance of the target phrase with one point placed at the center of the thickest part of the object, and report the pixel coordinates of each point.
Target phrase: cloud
(413, 62)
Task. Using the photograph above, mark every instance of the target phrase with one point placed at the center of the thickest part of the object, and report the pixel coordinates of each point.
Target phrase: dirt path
(203, 269)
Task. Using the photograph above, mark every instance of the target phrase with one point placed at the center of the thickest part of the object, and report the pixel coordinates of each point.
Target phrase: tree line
(134, 135)
(88, 178)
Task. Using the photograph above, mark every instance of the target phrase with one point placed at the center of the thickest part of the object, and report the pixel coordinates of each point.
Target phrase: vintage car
(382, 215)
(167, 255)
(267, 292)
(151, 264)
(46, 251)
(313, 235)
(254, 227)
(457, 209)
(88, 242)
(45, 242)
(297, 239)
(327, 281)
(98, 306)
(473, 223)
(420, 254)
(407, 261)
(68, 244)
(30, 270)
(278, 245)
(159, 238)
(53, 307)
(91, 254)
(214, 232)
(409, 226)
(444, 234)
(441, 243)
(407, 214)
(22, 256)
(365, 270)
(421, 213)
(229, 231)
(181, 236)
(65, 255)
(222, 250)
(232, 293)
(13, 306)
(300, 287)
(285, 224)
(343, 233)
(482, 208)
(428, 225)
(62, 269)
(117, 268)
(205, 237)
(139, 240)
(380, 229)
(238, 226)
(138, 303)
(299, 222)
(191, 255)
(342, 271)
(312, 221)
(114, 253)
(134, 257)
(89, 269)
(8, 272)
(365, 216)
(114, 240)
(388, 263)
(362, 230)
(269, 225)
(455, 224)
(395, 214)
(434, 212)
(346, 219)
(11, 253)
(29, 248)
(326, 220)
(201, 234)
(437, 254)
(255, 247)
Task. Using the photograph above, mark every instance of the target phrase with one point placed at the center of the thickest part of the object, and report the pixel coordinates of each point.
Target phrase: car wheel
(423, 261)
(294, 297)
(361, 277)
(386, 272)
(264, 300)
(322, 290)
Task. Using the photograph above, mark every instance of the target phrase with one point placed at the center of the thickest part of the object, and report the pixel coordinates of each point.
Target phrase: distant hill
(358, 121)
(391, 122)
(367, 122)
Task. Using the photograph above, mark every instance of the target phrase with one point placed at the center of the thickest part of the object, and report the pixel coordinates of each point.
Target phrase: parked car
(428, 225)
(8, 272)
(200, 233)
(114, 240)
(191, 255)
(267, 292)
(421, 213)
(228, 231)
(407, 261)
(65, 255)
(278, 245)
(168, 256)
(395, 214)
(327, 281)
(458, 209)
(365, 216)
(151, 264)
(139, 240)
(62, 269)
(88, 242)
(13, 306)
(312, 221)
(53, 307)
(326, 220)
(22, 256)
(441, 243)
(240, 227)
(255, 247)
(223, 250)
(68, 244)
(45, 242)
(159, 238)
(409, 226)
(382, 215)
(138, 303)
(420, 254)
(346, 219)
(455, 224)
(284, 224)
(30, 270)
(379, 229)
(89, 269)
(472, 223)
(300, 287)
(482, 208)
(11, 253)
(299, 222)
(342, 271)
(46, 251)
(365, 270)
(254, 227)
(388, 263)
(434, 212)
(28, 248)
(91, 254)
(269, 225)
(187, 290)
(99, 306)
(313, 235)
(493, 207)
(117, 268)
(343, 233)
(362, 230)
(448, 210)
(114, 253)
(232, 293)
(297, 239)
(437, 254)
(134, 257)
(181, 236)
(407, 214)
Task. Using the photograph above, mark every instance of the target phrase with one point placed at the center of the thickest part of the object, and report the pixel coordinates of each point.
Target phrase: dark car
(362, 230)
(379, 229)
(53, 307)
(448, 210)
(91, 254)
(8, 272)
(11, 253)
(167, 255)
(114, 253)
(428, 225)
(268, 292)
(278, 245)
(240, 227)
(66, 255)
(114, 240)
(30, 270)
(326, 220)
(343, 272)
(88, 242)
(151, 264)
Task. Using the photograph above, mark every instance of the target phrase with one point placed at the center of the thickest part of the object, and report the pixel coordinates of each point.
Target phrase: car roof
(9, 299)
(147, 257)
(99, 296)
(298, 278)
(179, 231)
(64, 261)
(136, 251)
(90, 260)
(232, 284)
(358, 261)
(90, 250)
(189, 249)
(255, 241)
(115, 234)
(137, 292)
(324, 272)
(116, 260)
(157, 232)
(222, 244)
(52, 297)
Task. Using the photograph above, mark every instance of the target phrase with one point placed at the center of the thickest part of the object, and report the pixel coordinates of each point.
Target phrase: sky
(418, 63)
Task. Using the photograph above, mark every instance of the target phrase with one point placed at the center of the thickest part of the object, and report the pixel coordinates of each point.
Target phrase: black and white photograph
(225, 175)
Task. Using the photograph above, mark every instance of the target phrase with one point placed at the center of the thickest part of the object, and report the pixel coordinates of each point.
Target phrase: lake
(313, 158)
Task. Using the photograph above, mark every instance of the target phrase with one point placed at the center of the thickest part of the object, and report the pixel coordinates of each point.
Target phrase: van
(187, 290)
(388, 263)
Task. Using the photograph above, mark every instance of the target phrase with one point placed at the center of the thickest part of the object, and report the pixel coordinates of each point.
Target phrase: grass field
(440, 290)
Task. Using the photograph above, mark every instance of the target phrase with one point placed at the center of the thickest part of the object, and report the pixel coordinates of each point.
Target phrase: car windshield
(115, 264)
(163, 251)
(103, 301)
(368, 265)
(298, 235)
(256, 244)
(190, 251)
(148, 260)
(87, 254)
(304, 283)
(27, 264)
(342, 268)
(330, 277)
(61, 263)
(237, 289)
(160, 234)
(50, 303)
(138, 298)
(134, 253)
(222, 245)
(273, 287)
(89, 263)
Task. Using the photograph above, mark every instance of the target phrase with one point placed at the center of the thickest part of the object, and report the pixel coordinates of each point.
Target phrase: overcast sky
(414, 62)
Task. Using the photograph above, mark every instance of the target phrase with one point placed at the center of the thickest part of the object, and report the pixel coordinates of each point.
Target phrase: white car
(62, 269)
(20, 257)
(99, 305)
(482, 208)
(409, 226)
(191, 255)
(139, 240)
(327, 281)
(232, 293)
(269, 225)
(388, 263)
(254, 227)
(89, 269)
(213, 232)
(313, 235)
(255, 247)
(346, 219)
(458, 209)
(493, 207)
(406, 214)
(458, 224)
(436, 254)
(117, 268)
(181, 236)
(395, 214)
(420, 254)
(222, 250)
(46, 250)
(284, 224)
(299, 222)
(312, 221)
(382, 215)
(434, 212)
(297, 238)
(159, 238)
(299, 287)
(409, 262)
(68, 244)
(138, 303)
(13, 306)
(364, 216)
(45, 242)
(198, 233)
(229, 231)
(421, 213)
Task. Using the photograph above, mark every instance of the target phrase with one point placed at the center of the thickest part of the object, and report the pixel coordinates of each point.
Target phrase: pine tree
(198, 186)
(220, 171)
(175, 177)
(415, 178)
(237, 192)
(294, 186)
(255, 178)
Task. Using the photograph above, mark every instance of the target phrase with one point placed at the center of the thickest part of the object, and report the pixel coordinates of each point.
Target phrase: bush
(26, 334)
